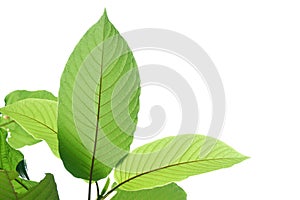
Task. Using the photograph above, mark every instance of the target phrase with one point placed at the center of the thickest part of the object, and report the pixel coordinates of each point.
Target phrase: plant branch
(98, 191)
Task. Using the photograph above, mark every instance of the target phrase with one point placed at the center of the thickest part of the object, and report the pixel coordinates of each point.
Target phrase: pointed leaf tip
(105, 14)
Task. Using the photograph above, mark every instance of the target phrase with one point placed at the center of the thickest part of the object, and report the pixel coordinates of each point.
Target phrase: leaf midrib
(98, 112)
(166, 167)
(45, 125)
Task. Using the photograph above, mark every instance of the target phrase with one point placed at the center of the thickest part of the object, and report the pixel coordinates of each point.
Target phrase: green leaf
(98, 103)
(19, 95)
(38, 117)
(105, 187)
(167, 192)
(173, 159)
(46, 189)
(22, 186)
(9, 157)
(7, 191)
(18, 136)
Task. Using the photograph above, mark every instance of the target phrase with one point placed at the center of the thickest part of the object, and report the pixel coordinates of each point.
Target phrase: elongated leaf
(172, 159)
(98, 102)
(18, 136)
(167, 192)
(9, 157)
(38, 117)
(19, 95)
(46, 189)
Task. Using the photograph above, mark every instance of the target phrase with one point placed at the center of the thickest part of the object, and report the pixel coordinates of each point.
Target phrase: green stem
(24, 186)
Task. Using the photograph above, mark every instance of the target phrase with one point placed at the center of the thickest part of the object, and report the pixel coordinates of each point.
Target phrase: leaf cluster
(91, 125)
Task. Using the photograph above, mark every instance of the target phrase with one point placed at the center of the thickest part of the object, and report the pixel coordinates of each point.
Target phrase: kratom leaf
(22, 186)
(18, 136)
(46, 189)
(173, 159)
(98, 103)
(9, 157)
(167, 192)
(19, 95)
(7, 190)
(38, 117)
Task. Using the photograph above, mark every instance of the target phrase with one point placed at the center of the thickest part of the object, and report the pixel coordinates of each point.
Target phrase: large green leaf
(46, 189)
(18, 136)
(38, 117)
(173, 159)
(167, 192)
(98, 102)
(9, 157)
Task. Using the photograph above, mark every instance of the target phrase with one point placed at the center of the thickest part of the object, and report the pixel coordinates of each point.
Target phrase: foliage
(90, 127)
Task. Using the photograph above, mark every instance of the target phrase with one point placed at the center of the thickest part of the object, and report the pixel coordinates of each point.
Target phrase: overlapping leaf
(19, 95)
(6, 187)
(18, 136)
(98, 102)
(173, 159)
(46, 189)
(9, 157)
(37, 117)
(167, 192)
(12, 160)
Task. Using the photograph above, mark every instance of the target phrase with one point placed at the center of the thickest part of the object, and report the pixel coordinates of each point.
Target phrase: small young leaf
(38, 117)
(98, 103)
(172, 159)
(105, 187)
(167, 192)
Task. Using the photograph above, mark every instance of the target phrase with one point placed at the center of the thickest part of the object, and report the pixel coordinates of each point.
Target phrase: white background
(254, 44)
